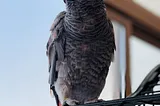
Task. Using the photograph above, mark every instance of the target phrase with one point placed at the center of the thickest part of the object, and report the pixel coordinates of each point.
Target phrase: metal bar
(130, 101)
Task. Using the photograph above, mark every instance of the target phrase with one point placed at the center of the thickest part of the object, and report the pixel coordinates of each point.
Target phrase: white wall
(151, 5)
(144, 57)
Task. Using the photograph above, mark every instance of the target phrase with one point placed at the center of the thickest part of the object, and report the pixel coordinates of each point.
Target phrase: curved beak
(64, 1)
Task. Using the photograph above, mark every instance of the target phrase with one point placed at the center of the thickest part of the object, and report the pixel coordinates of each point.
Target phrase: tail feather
(56, 96)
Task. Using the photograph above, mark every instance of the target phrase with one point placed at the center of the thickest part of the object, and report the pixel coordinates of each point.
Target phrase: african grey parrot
(80, 50)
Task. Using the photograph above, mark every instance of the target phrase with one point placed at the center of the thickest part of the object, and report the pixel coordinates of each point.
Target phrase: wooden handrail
(135, 11)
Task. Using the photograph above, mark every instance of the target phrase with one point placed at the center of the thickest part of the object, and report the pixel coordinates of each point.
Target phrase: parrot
(80, 50)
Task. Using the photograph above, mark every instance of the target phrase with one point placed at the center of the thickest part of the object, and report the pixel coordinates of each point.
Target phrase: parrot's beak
(64, 1)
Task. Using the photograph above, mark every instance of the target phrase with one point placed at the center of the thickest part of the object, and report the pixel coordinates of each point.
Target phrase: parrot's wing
(55, 50)
(112, 34)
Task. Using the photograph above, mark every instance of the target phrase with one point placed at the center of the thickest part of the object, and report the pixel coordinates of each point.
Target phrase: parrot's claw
(70, 102)
(91, 101)
(94, 100)
(100, 100)
(65, 104)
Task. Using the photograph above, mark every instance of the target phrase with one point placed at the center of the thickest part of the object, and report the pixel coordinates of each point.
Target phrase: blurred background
(24, 31)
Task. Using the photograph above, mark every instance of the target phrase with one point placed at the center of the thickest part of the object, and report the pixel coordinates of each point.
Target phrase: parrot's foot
(65, 104)
(94, 100)
(70, 102)
(91, 101)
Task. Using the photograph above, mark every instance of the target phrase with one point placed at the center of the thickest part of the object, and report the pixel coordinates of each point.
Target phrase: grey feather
(55, 51)
(81, 52)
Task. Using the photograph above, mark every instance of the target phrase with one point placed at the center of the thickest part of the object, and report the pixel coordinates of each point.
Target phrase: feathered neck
(85, 19)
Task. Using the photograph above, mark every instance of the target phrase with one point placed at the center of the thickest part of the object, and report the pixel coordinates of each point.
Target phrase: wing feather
(55, 50)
